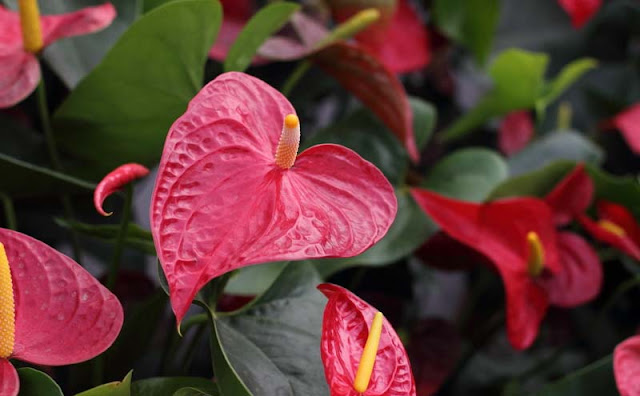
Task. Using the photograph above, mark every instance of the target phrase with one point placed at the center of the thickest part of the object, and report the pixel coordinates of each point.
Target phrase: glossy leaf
(118, 388)
(314, 209)
(169, 385)
(424, 120)
(259, 28)
(375, 85)
(37, 383)
(254, 280)
(626, 366)
(63, 314)
(345, 328)
(280, 330)
(469, 174)
(193, 392)
(127, 99)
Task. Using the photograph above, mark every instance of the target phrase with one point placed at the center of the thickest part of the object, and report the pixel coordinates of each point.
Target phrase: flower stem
(45, 120)
(9, 212)
(295, 76)
(122, 235)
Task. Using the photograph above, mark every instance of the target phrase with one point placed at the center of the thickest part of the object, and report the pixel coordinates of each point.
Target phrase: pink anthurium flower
(52, 311)
(628, 123)
(231, 190)
(580, 11)
(515, 132)
(361, 352)
(399, 39)
(23, 36)
(538, 265)
(616, 226)
(626, 366)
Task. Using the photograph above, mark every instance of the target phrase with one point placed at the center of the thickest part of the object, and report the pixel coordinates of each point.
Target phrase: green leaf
(280, 331)
(254, 279)
(122, 111)
(262, 25)
(468, 174)
(119, 388)
(37, 383)
(193, 392)
(596, 379)
(149, 5)
(470, 22)
(170, 385)
(137, 238)
(424, 120)
(567, 145)
(567, 76)
(409, 230)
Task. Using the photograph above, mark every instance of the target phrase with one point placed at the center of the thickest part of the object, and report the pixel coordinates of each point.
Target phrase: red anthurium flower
(52, 311)
(626, 366)
(571, 196)
(361, 352)
(231, 191)
(236, 14)
(399, 39)
(628, 122)
(538, 265)
(616, 227)
(580, 11)
(20, 42)
(515, 132)
(116, 179)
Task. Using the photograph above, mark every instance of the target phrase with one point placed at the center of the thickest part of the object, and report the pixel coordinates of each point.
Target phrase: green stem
(48, 172)
(295, 76)
(9, 212)
(122, 235)
(45, 119)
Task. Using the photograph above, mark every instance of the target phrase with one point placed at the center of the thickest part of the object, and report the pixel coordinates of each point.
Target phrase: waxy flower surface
(231, 191)
(349, 329)
(626, 366)
(24, 35)
(52, 311)
(538, 265)
(616, 226)
(116, 179)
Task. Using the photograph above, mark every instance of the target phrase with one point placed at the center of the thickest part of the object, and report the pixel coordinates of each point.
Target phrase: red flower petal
(9, 382)
(620, 216)
(622, 242)
(571, 196)
(345, 328)
(626, 366)
(63, 314)
(19, 76)
(115, 180)
(628, 122)
(376, 86)
(515, 132)
(580, 279)
(580, 11)
(220, 201)
(84, 21)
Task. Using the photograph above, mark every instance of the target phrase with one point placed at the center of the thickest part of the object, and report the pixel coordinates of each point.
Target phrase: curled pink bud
(121, 176)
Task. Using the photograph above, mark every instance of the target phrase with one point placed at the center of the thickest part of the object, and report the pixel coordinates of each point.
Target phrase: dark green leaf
(262, 25)
(468, 174)
(255, 279)
(169, 385)
(193, 392)
(595, 379)
(122, 111)
(137, 238)
(37, 383)
(424, 120)
(119, 388)
(280, 330)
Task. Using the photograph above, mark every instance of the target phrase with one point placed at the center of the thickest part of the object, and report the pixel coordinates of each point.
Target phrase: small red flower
(347, 328)
(580, 11)
(515, 132)
(19, 67)
(52, 311)
(616, 227)
(115, 180)
(231, 190)
(628, 123)
(538, 265)
(626, 366)
(400, 39)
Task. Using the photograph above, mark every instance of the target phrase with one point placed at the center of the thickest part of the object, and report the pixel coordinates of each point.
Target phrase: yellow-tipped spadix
(7, 307)
(612, 227)
(30, 23)
(368, 359)
(289, 142)
(535, 264)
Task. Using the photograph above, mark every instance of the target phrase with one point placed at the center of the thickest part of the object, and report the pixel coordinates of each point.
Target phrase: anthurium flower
(515, 132)
(231, 190)
(580, 11)
(24, 35)
(361, 352)
(52, 311)
(628, 123)
(538, 265)
(626, 366)
(616, 226)
(114, 180)
(399, 39)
